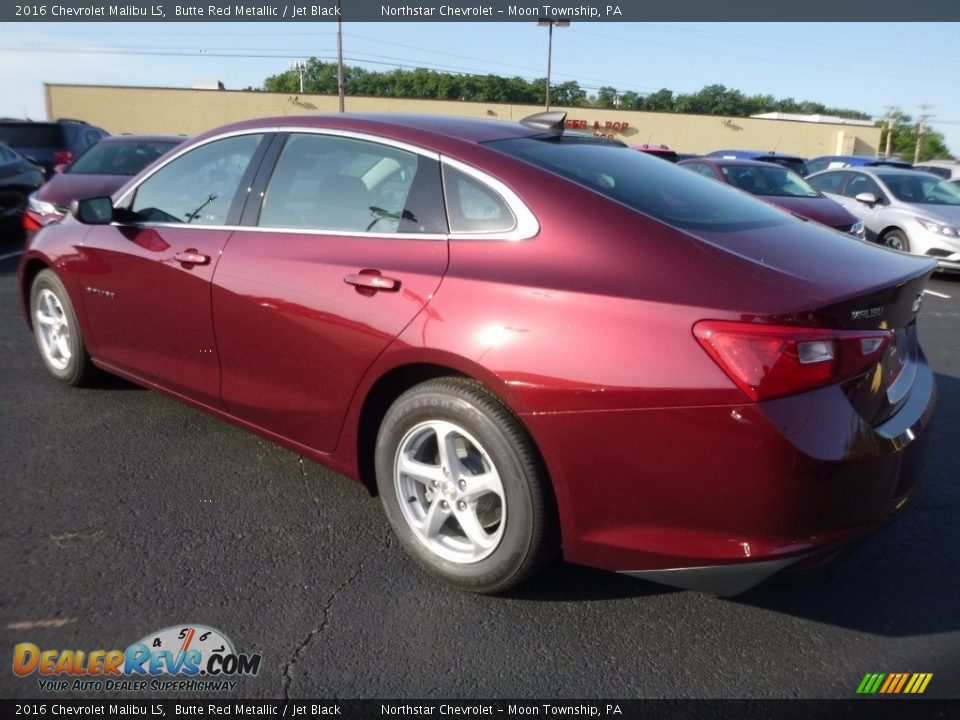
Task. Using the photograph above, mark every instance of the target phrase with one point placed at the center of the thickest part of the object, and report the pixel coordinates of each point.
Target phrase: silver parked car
(906, 210)
(946, 169)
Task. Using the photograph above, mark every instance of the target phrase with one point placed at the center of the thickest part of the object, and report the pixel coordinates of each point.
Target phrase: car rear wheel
(897, 240)
(57, 332)
(463, 486)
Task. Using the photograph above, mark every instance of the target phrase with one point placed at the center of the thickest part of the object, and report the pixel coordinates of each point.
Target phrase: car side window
(828, 182)
(861, 184)
(336, 184)
(707, 170)
(472, 207)
(197, 188)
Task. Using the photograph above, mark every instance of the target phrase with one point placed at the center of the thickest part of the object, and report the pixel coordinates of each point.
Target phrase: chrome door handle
(191, 257)
(372, 280)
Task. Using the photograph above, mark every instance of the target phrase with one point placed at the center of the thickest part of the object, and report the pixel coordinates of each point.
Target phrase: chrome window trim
(292, 231)
(526, 226)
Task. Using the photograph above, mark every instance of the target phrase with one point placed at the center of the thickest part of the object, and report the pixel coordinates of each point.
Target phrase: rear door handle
(191, 257)
(371, 280)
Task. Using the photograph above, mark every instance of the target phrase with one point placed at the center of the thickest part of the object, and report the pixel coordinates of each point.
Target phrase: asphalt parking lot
(123, 512)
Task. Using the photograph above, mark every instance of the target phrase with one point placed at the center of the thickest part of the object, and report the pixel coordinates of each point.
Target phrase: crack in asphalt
(325, 622)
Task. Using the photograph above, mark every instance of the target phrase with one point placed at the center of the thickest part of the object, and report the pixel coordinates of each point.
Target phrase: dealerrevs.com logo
(186, 658)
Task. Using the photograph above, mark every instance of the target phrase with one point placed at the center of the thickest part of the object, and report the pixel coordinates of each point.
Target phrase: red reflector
(30, 222)
(767, 361)
(64, 157)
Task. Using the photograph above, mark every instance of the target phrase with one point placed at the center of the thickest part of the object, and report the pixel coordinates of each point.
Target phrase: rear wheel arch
(391, 385)
(33, 268)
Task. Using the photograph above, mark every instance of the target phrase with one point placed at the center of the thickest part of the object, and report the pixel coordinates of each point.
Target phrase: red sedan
(525, 341)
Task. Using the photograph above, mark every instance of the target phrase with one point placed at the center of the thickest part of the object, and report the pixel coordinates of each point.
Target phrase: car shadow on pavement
(560, 581)
(905, 579)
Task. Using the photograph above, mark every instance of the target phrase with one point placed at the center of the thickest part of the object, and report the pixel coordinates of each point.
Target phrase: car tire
(896, 240)
(463, 486)
(57, 332)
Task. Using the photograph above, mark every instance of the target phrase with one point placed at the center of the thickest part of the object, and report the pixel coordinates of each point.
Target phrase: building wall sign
(602, 128)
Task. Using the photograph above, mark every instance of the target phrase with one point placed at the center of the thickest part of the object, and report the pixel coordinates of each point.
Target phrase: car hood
(943, 214)
(819, 209)
(66, 187)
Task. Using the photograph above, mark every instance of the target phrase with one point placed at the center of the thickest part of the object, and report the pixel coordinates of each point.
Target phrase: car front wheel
(56, 330)
(463, 486)
(897, 240)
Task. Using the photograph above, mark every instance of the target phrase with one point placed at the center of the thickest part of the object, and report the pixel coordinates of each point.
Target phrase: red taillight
(767, 361)
(62, 157)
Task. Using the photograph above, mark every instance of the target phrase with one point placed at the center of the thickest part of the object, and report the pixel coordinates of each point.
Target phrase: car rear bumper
(720, 498)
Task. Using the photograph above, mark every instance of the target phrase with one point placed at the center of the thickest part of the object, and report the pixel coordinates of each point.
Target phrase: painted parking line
(10, 255)
(928, 292)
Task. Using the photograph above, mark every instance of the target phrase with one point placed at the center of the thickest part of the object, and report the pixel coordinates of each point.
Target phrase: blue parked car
(831, 162)
(792, 162)
(53, 143)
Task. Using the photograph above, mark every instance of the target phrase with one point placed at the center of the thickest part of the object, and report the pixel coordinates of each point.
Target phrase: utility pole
(339, 59)
(299, 67)
(921, 129)
(549, 22)
(891, 109)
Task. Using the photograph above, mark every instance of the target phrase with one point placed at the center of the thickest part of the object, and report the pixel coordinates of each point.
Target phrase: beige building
(191, 111)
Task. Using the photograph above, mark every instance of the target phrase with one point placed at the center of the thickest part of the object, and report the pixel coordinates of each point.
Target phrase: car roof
(177, 139)
(409, 126)
(733, 162)
(747, 154)
(880, 171)
(938, 163)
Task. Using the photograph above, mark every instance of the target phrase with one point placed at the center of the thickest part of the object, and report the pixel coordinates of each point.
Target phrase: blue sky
(863, 66)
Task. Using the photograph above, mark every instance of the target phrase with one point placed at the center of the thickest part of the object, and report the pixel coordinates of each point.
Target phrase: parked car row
(526, 341)
(911, 208)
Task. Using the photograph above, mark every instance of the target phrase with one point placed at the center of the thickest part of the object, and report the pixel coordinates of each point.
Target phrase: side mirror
(867, 198)
(60, 167)
(93, 211)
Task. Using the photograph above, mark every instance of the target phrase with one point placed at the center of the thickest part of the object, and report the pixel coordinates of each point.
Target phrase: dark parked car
(830, 162)
(51, 143)
(797, 164)
(18, 178)
(524, 341)
(779, 186)
(100, 170)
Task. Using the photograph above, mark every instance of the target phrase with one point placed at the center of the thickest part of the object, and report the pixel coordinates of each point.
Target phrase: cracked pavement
(123, 512)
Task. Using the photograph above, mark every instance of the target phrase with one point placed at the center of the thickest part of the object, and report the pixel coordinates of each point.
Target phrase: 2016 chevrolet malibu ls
(524, 340)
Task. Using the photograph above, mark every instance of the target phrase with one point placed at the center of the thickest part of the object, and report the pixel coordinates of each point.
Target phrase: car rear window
(31, 135)
(118, 158)
(661, 190)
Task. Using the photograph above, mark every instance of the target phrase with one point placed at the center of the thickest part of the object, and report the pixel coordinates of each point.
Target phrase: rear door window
(336, 184)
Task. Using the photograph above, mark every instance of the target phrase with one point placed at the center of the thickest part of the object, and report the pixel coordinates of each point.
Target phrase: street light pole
(339, 59)
(549, 22)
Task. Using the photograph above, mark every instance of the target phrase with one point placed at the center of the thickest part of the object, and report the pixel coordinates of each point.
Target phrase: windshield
(118, 158)
(920, 189)
(664, 191)
(775, 181)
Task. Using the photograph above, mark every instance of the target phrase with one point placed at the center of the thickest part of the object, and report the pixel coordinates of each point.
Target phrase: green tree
(660, 101)
(904, 141)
